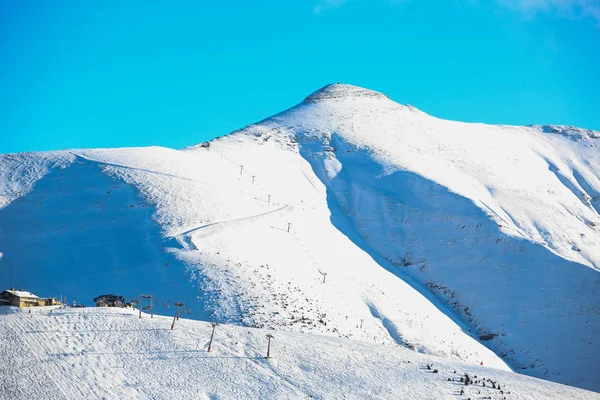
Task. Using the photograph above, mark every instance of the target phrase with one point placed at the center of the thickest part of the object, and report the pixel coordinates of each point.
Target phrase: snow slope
(443, 237)
(498, 221)
(112, 354)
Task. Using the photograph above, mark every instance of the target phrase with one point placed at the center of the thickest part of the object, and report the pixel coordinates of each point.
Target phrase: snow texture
(23, 294)
(103, 353)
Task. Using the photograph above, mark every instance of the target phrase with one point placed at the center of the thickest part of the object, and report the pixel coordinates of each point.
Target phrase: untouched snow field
(349, 216)
(96, 353)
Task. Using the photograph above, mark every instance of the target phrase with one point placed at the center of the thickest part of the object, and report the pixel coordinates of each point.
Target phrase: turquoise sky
(136, 73)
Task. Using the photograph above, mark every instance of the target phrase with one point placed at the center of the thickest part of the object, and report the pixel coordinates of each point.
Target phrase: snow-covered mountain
(348, 215)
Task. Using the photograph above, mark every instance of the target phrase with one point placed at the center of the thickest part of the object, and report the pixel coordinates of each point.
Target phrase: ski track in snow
(185, 238)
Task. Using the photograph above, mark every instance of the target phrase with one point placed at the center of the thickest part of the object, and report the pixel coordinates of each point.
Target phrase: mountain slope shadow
(536, 310)
(82, 233)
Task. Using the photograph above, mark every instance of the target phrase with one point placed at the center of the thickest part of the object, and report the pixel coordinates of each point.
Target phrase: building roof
(22, 294)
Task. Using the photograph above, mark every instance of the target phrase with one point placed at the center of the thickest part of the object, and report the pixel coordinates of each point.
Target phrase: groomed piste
(111, 353)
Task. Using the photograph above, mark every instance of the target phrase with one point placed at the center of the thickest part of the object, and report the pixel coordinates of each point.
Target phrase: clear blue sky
(137, 73)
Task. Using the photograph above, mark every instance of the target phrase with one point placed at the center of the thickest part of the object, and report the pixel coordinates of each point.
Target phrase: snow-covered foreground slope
(112, 354)
(349, 215)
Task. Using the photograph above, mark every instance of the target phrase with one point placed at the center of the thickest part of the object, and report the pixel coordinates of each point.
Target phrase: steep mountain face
(347, 215)
(500, 222)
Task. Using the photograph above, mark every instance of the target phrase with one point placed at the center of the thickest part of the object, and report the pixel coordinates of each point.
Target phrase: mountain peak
(343, 91)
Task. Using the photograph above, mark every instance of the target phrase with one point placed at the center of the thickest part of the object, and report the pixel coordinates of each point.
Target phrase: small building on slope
(110, 300)
(21, 298)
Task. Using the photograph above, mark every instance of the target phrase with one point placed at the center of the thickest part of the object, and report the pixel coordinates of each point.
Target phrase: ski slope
(470, 242)
(498, 221)
(112, 354)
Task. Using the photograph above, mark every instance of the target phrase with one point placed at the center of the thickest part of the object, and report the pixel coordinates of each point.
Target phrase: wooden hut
(110, 300)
